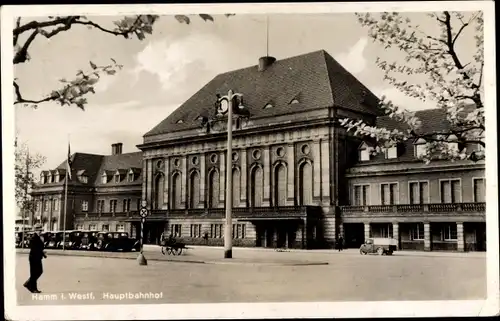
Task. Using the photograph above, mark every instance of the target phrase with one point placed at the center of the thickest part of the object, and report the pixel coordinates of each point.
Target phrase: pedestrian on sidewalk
(341, 243)
(35, 258)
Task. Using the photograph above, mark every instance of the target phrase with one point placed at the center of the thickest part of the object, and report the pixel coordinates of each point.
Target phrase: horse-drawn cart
(173, 248)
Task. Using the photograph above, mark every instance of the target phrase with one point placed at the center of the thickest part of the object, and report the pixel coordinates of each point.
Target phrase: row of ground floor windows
(216, 231)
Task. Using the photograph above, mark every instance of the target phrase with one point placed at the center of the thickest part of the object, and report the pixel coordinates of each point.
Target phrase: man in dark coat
(36, 269)
(341, 243)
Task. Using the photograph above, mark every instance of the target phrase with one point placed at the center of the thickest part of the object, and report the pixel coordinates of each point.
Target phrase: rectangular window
(389, 193)
(131, 177)
(85, 179)
(100, 206)
(417, 232)
(449, 232)
(93, 227)
(420, 150)
(479, 190)
(105, 227)
(112, 205)
(120, 227)
(46, 206)
(238, 231)
(365, 155)
(117, 178)
(419, 192)
(79, 227)
(391, 152)
(195, 230)
(450, 191)
(361, 195)
(138, 204)
(85, 206)
(175, 230)
(55, 204)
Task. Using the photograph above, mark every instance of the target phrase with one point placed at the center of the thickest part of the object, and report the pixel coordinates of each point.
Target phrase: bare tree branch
(19, 99)
(22, 54)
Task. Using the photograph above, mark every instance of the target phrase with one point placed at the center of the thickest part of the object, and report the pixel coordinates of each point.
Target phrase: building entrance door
(354, 235)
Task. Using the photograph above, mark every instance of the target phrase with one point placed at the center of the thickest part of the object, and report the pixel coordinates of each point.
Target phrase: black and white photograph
(280, 160)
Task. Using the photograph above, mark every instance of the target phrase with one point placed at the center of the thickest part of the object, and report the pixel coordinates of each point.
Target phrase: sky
(169, 66)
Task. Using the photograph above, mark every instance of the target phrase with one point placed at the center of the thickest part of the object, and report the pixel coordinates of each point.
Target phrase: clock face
(223, 106)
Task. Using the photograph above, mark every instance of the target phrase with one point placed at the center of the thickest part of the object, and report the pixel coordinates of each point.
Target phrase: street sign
(143, 212)
(144, 203)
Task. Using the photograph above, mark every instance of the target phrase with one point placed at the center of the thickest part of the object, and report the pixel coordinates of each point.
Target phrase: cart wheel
(380, 251)
(169, 250)
(362, 252)
(163, 250)
(177, 251)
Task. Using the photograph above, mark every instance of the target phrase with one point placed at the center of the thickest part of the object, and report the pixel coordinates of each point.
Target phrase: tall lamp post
(143, 212)
(225, 105)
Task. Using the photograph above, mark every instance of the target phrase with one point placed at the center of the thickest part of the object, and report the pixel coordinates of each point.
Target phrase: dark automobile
(27, 238)
(116, 241)
(89, 240)
(19, 239)
(72, 240)
(46, 236)
(54, 240)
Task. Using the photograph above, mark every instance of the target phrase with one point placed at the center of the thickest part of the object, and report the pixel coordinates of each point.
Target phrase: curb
(188, 261)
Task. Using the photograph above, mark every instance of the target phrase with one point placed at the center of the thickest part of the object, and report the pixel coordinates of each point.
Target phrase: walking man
(341, 243)
(35, 258)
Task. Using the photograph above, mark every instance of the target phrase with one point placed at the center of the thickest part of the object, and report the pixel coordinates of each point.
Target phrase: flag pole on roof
(68, 177)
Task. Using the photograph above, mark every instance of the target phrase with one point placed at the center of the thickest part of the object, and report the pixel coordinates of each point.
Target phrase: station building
(299, 179)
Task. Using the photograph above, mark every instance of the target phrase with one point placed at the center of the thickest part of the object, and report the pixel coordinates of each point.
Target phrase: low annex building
(299, 179)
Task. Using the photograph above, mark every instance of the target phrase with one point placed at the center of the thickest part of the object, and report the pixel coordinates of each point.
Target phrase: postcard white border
(490, 306)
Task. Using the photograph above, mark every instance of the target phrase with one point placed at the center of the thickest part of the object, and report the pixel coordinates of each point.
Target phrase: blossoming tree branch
(433, 70)
(73, 91)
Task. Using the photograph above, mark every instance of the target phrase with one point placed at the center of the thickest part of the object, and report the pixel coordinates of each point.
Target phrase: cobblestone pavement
(347, 277)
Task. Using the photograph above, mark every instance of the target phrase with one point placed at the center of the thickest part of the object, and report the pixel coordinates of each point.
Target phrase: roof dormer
(82, 176)
(133, 174)
(365, 151)
(420, 149)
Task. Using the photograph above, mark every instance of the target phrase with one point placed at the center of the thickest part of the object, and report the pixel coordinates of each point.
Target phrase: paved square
(347, 277)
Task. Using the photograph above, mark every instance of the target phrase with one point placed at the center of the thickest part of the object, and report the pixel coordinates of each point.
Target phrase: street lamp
(225, 104)
(143, 212)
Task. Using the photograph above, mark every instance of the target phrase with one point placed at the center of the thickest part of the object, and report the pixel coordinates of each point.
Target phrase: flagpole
(68, 168)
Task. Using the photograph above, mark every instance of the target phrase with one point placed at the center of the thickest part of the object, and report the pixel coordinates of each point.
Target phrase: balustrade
(416, 208)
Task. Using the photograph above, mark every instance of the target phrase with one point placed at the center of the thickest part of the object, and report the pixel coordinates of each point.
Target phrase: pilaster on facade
(149, 181)
(267, 176)
(367, 230)
(316, 170)
(325, 171)
(166, 184)
(290, 201)
(395, 232)
(222, 179)
(184, 181)
(202, 180)
(243, 173)
(427, 236)
(460, 237)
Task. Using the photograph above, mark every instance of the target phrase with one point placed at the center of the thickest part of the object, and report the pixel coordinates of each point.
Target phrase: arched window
(256, 191)
(194, 189)
(159, 188)
(305, 184)
(280, 185)
(176, 191)
(213, 189)
(236, 187)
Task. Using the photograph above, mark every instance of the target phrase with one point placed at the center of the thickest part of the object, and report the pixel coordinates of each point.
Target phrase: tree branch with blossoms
(453, 83)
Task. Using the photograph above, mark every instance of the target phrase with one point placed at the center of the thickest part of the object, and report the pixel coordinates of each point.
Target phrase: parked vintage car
(89, 240)
(380, 246)
(19, 239)
(72, 240)
(46, 236)
(27, 237)
(116, 241)
(54, 240)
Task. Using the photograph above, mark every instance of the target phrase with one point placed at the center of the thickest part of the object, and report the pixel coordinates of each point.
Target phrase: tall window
(104, 178)
(450, 191)
(100, 206)
(449, 232)
(112, 205)
(194, 189)
(126, 205)
(213, 190)
(216, 231)
(176, 191)
(479, 190)
(117, 178)
(130, 177)
(239, 231)
(361, 195)
(236, 187)
(256, 187)
(280, 185)
(159, 190)
(417, 231)
(176, 229)
(55, 204)
(85, 205)
(391, 152)
(419, 192)
(305, 184)
(138, 204)
(196, 230)
(46, 205)
(388, 193)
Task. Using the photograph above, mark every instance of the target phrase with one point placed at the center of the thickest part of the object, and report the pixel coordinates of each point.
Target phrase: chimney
(265, 62)
(116, 149)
